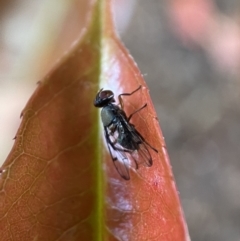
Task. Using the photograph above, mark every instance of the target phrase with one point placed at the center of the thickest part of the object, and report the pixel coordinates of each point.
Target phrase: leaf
(58, 182)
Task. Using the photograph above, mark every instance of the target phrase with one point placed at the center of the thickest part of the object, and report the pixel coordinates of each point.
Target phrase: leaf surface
(147, 207)
(58, 182)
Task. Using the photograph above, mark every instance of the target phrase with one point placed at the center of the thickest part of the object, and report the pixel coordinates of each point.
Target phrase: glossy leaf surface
(58, 182)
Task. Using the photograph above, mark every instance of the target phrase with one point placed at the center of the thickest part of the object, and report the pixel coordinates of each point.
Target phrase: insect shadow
(126, 145)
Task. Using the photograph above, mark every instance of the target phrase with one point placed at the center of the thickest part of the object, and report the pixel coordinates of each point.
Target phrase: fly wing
(119, 156)
(142, 155)
(120, 162)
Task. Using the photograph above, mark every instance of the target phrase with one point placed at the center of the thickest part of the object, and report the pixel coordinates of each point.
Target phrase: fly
(126, 145)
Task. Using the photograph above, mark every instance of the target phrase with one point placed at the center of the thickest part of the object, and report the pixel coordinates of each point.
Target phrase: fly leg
(126, 94)
(136, 112)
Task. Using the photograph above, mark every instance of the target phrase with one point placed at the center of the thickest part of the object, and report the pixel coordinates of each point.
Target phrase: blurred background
(189, 53)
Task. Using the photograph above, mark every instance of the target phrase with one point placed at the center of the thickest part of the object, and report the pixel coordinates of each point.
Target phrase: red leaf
(53, 186)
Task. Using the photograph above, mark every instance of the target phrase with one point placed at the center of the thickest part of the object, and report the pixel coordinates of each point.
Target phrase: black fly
(125, 143)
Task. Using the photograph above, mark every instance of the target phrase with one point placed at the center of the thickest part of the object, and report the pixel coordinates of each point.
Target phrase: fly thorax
(107, 116)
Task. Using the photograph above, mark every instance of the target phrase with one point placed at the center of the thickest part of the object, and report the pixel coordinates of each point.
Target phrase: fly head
(103, 98)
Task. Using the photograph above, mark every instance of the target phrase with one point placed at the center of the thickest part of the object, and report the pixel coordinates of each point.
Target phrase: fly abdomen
(125, 140)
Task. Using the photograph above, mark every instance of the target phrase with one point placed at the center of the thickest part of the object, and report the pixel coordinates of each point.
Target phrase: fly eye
(106, 94)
